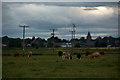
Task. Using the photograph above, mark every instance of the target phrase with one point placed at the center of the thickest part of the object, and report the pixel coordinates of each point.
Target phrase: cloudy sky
(101, 19)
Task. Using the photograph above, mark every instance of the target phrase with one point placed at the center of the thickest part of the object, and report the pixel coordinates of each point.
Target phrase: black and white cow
(64, 55)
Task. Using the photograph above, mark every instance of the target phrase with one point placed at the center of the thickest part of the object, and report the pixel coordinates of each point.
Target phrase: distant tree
(111, 41)
(64, 40)
(5, 40)
(76, 39)
(39, 42)
(100, 44)
(14, 42)
(105, 39)
(77, 45)
(44, 40)
(82, 39)
(33, 38)
(118, 38)
(98, 38)
(50, 44)
(50, 39)
(56, 39)
(103, 44)
(33, 41)
(96, 43)
(28, 41)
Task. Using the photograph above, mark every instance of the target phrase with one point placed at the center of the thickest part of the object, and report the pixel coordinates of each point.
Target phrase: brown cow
(29, 53)
(87, 52)
(95, 55)
(16, 54)
(101, 52)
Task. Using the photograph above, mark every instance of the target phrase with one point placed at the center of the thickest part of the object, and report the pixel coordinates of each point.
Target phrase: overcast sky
(101, 19)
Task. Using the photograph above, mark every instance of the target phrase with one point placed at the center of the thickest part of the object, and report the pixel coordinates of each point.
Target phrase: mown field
(47, 65)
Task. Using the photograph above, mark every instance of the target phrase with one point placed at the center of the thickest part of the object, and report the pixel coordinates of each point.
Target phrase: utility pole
(74, 30)
(23, 26)
(73, 37)
(53, 33)
(74, 33)
(72, 40)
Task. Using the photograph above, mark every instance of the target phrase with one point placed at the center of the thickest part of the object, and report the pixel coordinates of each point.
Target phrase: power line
(23, 26)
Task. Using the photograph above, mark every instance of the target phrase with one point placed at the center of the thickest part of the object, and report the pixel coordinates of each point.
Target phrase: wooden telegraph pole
(74, 35)
(74, 30)
(23, 26)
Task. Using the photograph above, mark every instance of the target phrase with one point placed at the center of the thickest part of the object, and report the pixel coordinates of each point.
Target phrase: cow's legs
(80, 58)
(63, 57)
(69, 57)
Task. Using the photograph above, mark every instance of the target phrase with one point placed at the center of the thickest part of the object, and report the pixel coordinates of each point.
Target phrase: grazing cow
(16, 54)
(64, 55)
(29, 53)
(60, 53)
(79, 56)
(101, 52)
(87, 52)
(93, 55)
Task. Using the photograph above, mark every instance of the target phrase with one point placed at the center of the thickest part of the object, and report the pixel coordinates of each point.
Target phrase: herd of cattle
(68, 55)
(78, 55)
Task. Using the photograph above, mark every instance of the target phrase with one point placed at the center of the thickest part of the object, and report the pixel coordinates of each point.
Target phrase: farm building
(89, 42)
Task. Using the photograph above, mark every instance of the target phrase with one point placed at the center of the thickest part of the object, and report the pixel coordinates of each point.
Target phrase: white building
(64, 45)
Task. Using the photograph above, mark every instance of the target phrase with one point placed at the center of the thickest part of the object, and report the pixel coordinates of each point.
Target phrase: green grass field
(52, 66)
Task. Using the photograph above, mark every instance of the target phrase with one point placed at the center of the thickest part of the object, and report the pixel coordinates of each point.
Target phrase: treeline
(39, 42)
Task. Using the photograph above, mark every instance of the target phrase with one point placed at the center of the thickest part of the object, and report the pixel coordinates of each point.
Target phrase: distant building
(46, 44)
(28, 45)
(89, 42)
(117, 43)
(66, 45)
(4, 45)
(82, 44)
(109, 46)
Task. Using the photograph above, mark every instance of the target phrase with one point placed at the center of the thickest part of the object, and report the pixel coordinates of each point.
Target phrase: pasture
(49, 65)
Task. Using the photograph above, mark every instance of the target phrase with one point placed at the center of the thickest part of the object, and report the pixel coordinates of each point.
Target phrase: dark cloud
(99, 18)
(74, 4)
(90, 9)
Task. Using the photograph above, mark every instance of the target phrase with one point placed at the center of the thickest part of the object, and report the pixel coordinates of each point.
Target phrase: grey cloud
(43, 16)
(76, 4)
